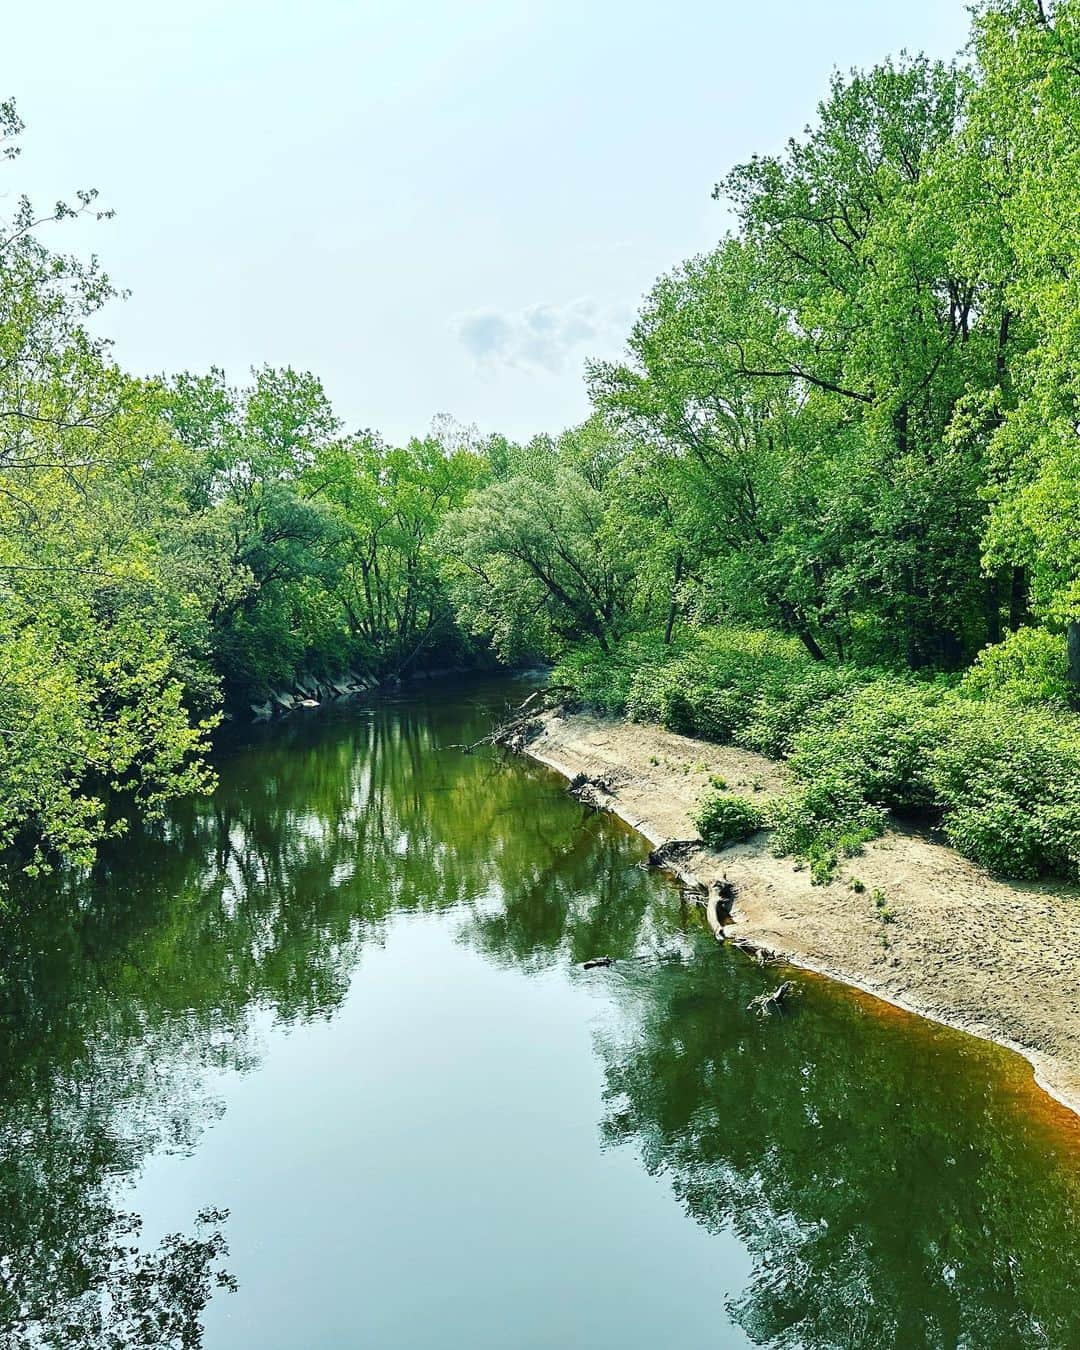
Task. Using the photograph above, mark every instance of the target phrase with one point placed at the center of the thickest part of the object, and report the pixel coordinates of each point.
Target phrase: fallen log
(591, 791)
(673, 851)
(766, 1004)
(718, 906)
(762, 955)
(515, 731)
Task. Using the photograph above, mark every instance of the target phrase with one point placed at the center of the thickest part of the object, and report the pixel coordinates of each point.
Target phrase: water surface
(343, 1000)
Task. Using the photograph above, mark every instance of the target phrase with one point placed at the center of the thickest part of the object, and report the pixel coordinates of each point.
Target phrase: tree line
(855, 422)
(856, 419)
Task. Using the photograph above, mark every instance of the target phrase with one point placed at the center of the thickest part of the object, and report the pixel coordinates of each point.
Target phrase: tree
(794, 392)
(532, 560)
(92, 694)
(389, 503)
(1028, 109)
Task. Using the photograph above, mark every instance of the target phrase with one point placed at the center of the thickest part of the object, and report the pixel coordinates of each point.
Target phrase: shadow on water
(894, 1183)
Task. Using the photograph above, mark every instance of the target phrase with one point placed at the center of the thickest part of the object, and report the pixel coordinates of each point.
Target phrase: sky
(439, 208)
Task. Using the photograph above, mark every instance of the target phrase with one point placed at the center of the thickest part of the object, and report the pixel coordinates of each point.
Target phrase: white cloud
(540, 337)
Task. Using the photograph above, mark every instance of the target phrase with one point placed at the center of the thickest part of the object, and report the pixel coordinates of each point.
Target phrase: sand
(996, 959)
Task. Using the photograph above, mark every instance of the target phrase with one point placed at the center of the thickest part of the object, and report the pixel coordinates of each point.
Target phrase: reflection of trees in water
(887, 1196)
(96, 1072)
(105, 1292)
(119, 992)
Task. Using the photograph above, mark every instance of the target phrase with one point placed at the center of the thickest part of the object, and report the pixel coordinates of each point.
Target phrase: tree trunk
(673, 608)
(1072, 649)
(795, 623)
(809, 642)
(993, 609)
(1018, 599)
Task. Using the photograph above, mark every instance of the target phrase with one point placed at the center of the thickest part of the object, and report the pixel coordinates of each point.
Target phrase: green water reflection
(864, 1179)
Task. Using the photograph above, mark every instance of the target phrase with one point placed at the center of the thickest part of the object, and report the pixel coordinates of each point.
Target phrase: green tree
(1027, 107)
(92, 694)
(533, 559)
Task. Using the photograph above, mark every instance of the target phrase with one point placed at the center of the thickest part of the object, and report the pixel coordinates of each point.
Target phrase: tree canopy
(854, 422)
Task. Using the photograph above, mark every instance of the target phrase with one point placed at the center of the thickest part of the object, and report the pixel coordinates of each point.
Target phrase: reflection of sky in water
(423, 1170)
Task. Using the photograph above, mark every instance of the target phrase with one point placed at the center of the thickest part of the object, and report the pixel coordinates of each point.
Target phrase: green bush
(777, 713)
(1008, 782)
(824, 822)
(752, 689)
(1028, 668)
(878, 742)
(604, 680)
(1002, 779)
(725, 818)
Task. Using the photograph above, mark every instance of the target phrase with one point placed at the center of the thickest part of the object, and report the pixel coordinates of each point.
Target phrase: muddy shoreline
(992, 958)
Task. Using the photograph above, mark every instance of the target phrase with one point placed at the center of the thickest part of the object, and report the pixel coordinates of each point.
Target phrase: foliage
(1003, 782)
(167, 546)
(608, 680)
(794, 387)
(1027, 667)
(1025, 117)
(879, 742)
(93, 667)
(725, 818)
(751, 688)
(533, 560)
(1008, 782)
(822, 823)
(853, 423)
(838, 460)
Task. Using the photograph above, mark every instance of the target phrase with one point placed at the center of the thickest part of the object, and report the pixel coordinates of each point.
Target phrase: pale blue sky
(438, 207)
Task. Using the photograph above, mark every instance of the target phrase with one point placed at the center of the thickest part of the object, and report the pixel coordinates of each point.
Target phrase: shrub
(1002, 778)
(1009, 785)
(877, 741)
(1028, 669)
(604, 681)
(777, 713)
(725, 818)
(824, 822)
(735, 685)
(727, 685)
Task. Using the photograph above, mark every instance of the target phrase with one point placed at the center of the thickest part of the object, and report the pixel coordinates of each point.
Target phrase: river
(343, 1000)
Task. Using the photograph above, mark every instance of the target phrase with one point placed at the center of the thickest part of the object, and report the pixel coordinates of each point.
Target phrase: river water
(343, 1000)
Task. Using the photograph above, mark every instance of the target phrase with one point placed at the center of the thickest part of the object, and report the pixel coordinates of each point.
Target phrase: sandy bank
(997, 959)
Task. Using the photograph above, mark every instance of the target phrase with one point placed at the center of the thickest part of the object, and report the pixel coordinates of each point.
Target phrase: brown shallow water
(343, 999)
(994, 958)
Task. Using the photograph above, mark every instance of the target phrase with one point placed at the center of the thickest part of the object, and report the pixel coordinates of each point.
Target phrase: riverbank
(909, 920)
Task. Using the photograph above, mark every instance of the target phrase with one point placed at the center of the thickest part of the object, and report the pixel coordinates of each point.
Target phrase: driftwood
(718, 906)
(673, 851)
(762, 955)
(722, 893)
(474, 745)
(591, 791)
(522, 724)
(766, 1004)
(602, 962)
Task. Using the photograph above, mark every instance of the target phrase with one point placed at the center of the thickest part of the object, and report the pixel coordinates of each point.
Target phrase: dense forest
(826, 506)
